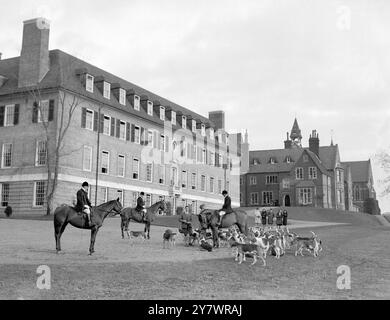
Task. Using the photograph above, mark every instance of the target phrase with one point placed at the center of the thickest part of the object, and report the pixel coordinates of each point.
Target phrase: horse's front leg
(215, 237)
(93, 237)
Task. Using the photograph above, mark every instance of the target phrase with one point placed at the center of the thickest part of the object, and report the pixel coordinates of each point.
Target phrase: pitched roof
(328, 154)
(360, 170)
(62, 73)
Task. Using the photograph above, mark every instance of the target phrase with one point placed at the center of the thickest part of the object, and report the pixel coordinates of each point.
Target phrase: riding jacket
(140, 204)
(82, 200)
(227, 205)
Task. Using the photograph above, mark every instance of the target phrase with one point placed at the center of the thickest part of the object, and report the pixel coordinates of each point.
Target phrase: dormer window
(203, 130)
(173, 117)
(136, 102)
(150, 108)
(272, 161)
(122, 96)
(288, 159)
(256, 162)
(305, 158)
(106, 90)
(162, 113)
(89, 83)
(184, 122)
(193, 126)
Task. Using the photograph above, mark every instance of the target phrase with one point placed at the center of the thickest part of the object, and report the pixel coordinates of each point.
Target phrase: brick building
(304, 176)
(144, 142)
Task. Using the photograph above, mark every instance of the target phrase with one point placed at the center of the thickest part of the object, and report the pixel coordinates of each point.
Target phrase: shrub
(8, 211)
(371, 206)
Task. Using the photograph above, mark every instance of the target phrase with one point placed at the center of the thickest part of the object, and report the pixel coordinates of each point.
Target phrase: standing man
(226, 208)
(83, 204)
(270, 217)
(257, 217)
(186, 225)
(279, 218)
(285, 214)
(141, 205)
(264, 217)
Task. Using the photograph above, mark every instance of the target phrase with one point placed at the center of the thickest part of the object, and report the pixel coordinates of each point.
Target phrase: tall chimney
(314, 143)
(287, 143)
(34, 60)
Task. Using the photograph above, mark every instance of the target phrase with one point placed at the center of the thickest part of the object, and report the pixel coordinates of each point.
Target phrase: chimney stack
(314, 143)
(34, 60)
(287, 143)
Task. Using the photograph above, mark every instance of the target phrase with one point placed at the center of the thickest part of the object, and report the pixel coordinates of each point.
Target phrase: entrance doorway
(287, 200)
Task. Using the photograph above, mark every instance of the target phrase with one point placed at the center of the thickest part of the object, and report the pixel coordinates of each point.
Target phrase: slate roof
(360, 170)
(62, 74)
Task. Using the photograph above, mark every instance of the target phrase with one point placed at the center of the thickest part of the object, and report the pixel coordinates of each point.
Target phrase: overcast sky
(262, 62)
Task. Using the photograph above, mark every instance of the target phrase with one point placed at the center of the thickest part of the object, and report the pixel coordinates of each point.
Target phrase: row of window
(150, 167)
(312, 173)
(136, 104)
(40, 154)
(38, 194)
(273, 160)
(305, 197)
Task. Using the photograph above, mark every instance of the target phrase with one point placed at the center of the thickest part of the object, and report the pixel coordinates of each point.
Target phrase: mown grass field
(124, 269)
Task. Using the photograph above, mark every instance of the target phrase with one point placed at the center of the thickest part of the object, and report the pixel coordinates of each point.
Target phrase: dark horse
(66, 214)
(129, 213)
(209, 219)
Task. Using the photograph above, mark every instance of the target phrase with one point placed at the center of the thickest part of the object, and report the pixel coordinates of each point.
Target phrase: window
(288, 159)
(162, 113)
(228, 186)
(312, 173)
(137, 135)
(107, 125)
(150, 138)
(136, 102)
(39, 193)
(87, 158)
(173, 117)
(212, 159)
(252, 180)
(122, 96)
(219, 186)
(241, 181)
(104, 194)
(286, 184)
(193, 181)
(122, 130)
(339, 196)
(203, 130)
(254, 198)
(135, 169)
(89, 120)
(357, 194)
(89, 83)
(106, 90)
(120, 195)
(203, 183)
(211, 184)
(212, 133)
(193, 125)
(272, 160)
(299, 173)
(305, 196)
(121, 165)
(220, 160)
(338, 175)
(148, 200)
(271, 179)
(184, 179)
(105, 162)
(43, 111)
(267, 197)
(41, 153)
(161, 174)
(6, 159)
(150, 108)
(9, 115)
(174, 179)
(162, 142)
(184, 122)
(305, 158)
(4, 194)
(204, 156)
(149, 172)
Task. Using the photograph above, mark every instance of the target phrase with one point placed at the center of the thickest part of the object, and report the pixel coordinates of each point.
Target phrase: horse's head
(117, 206)
(162, 205)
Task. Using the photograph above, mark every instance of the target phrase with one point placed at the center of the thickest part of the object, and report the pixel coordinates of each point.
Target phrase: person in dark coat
(226, 208)
(185, 219)
(285, 214)
(264, 217)
(270, 217)
(141, 205)
(279, 218)
(83, 204)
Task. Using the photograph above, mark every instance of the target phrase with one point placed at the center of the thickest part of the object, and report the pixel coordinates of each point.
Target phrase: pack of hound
(260, 242)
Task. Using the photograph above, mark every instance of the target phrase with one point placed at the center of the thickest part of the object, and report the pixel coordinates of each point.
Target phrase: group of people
(267, 217)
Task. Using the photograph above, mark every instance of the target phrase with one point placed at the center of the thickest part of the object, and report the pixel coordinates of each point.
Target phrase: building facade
(303, 176)
(119, 137)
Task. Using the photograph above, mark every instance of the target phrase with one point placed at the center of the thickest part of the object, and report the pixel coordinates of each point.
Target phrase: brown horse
(210, 218)
(129, 213)
(66, 214)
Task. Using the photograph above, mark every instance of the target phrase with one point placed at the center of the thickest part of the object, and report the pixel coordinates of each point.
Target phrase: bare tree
(383, 159)
(54, 135)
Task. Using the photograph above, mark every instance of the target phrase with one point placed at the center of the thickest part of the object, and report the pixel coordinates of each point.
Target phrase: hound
(169, 238)
(312, 244)
(137, 234)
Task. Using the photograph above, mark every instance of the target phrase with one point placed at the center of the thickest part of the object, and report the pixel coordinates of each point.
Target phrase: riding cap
(85, 184)
(142, 193)
(224, 192)
(201, 206)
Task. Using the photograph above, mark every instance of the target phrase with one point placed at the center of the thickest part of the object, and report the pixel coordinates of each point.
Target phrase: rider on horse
(226, 208)
(83, 204)
(141, 206)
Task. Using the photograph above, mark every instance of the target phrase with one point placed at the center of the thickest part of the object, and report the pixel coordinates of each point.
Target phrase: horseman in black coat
(226, 208)
(141, 206)
(83, 204)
